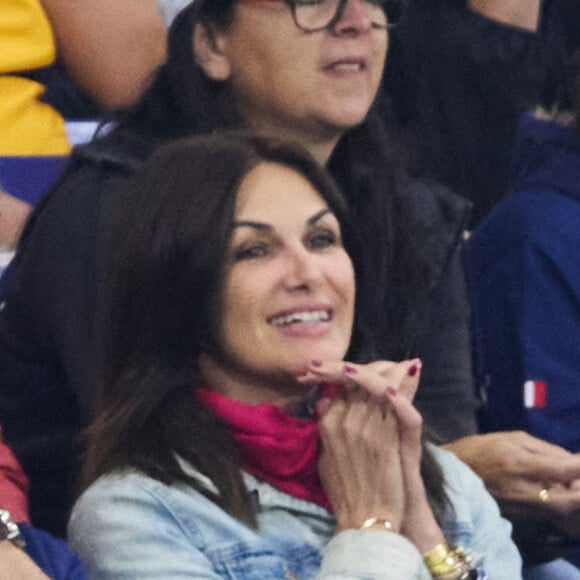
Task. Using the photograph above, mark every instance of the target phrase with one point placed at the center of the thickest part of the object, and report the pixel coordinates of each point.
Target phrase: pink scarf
(274, 446)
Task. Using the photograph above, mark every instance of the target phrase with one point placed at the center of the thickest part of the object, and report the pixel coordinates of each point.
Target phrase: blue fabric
(130, 526)
(523, 271)
(29, 178)
(52, 556)
(557, 570)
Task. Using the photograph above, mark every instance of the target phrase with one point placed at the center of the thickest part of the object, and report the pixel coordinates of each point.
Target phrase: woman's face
(312, 86)
(288, 290)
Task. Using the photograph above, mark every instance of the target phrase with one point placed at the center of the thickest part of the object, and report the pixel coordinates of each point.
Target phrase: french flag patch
(535, 393)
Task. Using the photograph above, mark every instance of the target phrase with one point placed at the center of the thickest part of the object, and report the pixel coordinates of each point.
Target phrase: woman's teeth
(304, 317)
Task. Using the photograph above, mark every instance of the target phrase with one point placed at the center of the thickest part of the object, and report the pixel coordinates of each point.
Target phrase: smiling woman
(289, 287)
(232, 439)
(269, 285)
(251, 65)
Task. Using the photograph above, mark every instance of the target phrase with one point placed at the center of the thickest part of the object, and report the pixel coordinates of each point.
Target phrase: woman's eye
(322, 240)
(250, 252)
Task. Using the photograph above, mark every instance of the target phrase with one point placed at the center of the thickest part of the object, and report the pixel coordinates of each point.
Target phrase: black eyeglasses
(315, 15)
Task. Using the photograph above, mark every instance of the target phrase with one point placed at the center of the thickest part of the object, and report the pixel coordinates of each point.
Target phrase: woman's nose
(303, 270)
(354, 18)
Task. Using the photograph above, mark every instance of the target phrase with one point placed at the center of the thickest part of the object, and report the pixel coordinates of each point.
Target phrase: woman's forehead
(272, 193)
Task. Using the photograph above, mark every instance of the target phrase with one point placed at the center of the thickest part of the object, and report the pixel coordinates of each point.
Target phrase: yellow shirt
(27, 126)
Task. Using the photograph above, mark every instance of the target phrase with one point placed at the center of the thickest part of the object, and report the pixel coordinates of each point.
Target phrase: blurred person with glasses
(313, 16)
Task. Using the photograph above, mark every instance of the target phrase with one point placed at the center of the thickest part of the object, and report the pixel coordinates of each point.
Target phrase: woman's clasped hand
(371, 448)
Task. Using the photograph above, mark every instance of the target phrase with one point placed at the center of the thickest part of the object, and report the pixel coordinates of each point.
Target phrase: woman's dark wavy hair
(169, 235)
(168, 241)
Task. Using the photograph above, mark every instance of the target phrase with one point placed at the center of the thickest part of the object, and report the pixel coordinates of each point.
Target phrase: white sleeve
(370, 554)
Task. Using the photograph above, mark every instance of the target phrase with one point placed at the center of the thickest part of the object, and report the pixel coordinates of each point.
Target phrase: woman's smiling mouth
(301, 317)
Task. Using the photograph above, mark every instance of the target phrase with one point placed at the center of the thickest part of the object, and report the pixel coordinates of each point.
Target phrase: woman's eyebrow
(261, 226)
(252, 224)
(318, 215)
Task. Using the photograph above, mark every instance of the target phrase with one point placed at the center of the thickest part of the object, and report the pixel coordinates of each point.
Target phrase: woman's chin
(304, 364)
(350, 114)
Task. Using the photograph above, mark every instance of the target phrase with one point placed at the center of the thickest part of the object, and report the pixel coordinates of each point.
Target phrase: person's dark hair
(560, 30)
(168, 240)
(183, 100)
(168, 237)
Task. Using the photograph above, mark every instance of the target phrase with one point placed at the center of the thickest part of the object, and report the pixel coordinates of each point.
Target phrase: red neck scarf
(274, 446)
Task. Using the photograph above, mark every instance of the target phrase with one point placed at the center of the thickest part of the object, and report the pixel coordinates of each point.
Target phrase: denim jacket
(129, 526)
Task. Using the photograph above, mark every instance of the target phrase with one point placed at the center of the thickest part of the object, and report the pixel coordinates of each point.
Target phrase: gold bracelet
(447, 563)
(370, 522)
(437, 555)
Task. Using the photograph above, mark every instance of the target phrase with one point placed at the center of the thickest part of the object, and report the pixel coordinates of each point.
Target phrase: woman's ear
(209, 52)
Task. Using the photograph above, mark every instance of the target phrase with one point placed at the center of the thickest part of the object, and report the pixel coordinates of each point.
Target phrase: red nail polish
(412, 370)
(316, 363)
(350, 370)
(391, 391)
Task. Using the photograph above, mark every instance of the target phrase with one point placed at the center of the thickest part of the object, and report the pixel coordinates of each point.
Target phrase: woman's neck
(320, 143)
(322, 150)
(283, 392)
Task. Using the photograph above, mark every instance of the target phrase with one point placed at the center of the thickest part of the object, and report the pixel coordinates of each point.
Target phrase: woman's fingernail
(316, 363)
(391, 391)
(350, 370)
(414, 368)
